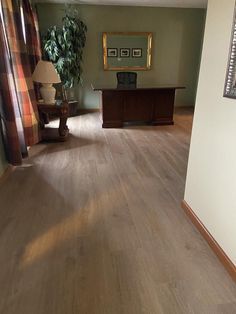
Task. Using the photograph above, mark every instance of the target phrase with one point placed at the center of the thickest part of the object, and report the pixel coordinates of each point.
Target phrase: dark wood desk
(153, 105)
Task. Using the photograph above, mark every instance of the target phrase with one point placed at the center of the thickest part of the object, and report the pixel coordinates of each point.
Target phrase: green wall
(177, 43)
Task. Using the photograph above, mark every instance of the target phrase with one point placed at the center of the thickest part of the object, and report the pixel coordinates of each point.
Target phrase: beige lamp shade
(45, 73)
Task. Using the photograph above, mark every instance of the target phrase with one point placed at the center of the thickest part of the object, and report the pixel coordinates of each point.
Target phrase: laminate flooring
(94, 226)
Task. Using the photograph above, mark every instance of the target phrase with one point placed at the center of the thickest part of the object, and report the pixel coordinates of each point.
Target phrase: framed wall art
(112, 52)
(135, 51)
(230, 81)
(124, 52)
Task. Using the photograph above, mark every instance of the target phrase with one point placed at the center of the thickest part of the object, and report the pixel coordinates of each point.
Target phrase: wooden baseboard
(225, 260)
(6, 173)
(84, 111)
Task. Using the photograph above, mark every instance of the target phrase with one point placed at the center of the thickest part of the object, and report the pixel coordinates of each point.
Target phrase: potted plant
(63, 46)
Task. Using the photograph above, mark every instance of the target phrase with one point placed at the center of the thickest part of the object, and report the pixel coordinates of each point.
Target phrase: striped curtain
(12, 127)
(21, 69)
(21, 54)
(32, 38)
(32, 34)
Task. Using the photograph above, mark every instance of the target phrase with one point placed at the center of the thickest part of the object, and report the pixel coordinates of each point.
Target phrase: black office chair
(126, 79)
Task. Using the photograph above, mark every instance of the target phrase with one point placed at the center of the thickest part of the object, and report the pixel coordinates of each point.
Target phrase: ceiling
(154, 3)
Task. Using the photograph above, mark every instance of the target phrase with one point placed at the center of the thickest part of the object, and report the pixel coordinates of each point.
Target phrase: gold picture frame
(129, 40)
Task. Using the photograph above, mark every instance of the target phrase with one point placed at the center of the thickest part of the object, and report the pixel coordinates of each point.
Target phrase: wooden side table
(57, 110)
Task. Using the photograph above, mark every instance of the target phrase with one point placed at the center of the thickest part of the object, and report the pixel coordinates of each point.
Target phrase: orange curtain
(11, 123)
(23, 49)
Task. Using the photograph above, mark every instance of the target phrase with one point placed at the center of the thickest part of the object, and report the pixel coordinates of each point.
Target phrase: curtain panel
(21, 69)
(32, 34)
(33, 44)
(12, 127)
(20, 58)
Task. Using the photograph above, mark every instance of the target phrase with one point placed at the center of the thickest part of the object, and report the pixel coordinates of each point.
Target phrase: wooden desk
(153, 105)
(61, 111)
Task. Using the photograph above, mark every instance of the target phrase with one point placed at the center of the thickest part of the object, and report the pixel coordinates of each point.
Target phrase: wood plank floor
(94, 226)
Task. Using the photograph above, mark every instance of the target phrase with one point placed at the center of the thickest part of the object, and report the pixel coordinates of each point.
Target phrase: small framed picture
(112, 52)
(137, 52)
(124, 52)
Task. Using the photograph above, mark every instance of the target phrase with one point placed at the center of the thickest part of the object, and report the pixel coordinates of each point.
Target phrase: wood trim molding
(225, 260)
(6, 173)
(90, 110)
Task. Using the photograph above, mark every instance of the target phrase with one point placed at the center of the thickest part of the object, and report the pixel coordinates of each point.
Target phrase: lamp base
(48, 93)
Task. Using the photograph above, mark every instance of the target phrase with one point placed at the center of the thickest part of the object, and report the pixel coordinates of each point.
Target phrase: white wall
(211, 178)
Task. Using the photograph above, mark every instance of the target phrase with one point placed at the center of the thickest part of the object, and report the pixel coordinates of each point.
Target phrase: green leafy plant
(63, 46)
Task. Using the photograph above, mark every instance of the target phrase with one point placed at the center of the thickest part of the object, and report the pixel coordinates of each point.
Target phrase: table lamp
(46, 74)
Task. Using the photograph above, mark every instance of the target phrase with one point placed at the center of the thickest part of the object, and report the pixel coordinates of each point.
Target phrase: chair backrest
(126, 79)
